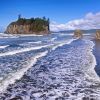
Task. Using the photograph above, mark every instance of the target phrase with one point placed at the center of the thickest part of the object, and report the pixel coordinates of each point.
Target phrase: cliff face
(29, 26)
(24, 29)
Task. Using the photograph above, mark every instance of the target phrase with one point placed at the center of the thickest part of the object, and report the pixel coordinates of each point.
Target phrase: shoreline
(96, 52)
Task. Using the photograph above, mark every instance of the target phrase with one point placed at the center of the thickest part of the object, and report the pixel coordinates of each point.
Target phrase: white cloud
(90, 21)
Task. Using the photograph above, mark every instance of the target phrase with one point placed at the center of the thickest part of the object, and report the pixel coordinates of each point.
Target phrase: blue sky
(60, 11)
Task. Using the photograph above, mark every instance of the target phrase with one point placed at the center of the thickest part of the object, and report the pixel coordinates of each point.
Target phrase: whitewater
(50, 67)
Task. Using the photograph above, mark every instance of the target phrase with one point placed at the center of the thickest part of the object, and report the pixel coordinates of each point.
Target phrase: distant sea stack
(78, 34)
(36, 26)
(97, 35)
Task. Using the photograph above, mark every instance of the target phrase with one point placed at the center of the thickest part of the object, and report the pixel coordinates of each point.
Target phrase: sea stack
(78, 34)
(97, 35)
(38, 26)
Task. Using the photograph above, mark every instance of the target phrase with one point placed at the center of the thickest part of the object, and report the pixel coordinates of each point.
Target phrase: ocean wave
(25, 35)
(2, 47)
(66, 73)
(53, 39)
(36, 42)
(86, 34)
(13, 76)
(67, 34)
(9, 53)
(63, 43)
(17, 35)
(3, 35)
(30, 43)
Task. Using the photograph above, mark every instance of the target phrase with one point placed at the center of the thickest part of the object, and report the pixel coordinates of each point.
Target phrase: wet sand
(96, 52)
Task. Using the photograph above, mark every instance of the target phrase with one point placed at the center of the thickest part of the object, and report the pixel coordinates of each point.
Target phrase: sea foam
(21, 50)
(12, 77)
(2, 47)
(62, 43)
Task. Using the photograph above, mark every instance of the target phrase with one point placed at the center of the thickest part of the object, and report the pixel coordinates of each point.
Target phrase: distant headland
(29, 26)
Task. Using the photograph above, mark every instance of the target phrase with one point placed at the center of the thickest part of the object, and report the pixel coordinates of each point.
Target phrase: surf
(2, 47)
(12, 77)
(21, 50)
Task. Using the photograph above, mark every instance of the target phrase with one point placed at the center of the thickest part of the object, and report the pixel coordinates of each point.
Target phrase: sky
(63, 14)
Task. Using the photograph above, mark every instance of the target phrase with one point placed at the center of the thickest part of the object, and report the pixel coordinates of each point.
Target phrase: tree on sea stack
(19, 16)
(38, 26)
(97, 35)
(78, 33)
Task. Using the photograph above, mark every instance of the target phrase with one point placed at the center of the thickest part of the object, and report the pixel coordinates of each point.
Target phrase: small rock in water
(65, 94)
(17, 98)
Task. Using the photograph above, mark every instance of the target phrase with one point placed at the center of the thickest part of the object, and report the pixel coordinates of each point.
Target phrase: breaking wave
(63, 43)
(2, 47)
(13, 76)
(21, 50)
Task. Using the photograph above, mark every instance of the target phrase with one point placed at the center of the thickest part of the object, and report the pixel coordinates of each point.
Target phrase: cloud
(90, 21)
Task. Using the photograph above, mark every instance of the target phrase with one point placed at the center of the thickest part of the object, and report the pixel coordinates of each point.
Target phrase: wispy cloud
(90, 21)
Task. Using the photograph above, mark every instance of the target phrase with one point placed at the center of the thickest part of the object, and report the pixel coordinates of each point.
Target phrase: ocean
(50, 67)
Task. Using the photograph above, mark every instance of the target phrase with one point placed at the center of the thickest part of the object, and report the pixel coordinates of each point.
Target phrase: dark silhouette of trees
(19, 16)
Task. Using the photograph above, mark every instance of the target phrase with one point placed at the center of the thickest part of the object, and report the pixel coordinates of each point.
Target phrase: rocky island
(36, 26)
(97, 35)
(78, 34)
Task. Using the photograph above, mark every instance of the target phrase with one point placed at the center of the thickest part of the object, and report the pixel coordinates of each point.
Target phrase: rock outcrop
(97, 35)
(78, 34)
(24, 29)
(29, 26)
